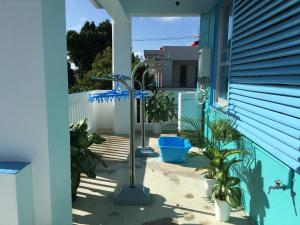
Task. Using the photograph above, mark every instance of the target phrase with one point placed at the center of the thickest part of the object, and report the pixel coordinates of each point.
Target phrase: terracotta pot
(222, 210)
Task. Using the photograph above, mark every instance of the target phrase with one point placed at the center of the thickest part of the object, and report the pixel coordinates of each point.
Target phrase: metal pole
(144, 108)
(131, 127)
(142, 116)
(133, 73)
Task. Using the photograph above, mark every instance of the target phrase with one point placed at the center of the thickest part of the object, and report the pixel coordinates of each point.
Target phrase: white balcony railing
(100, 116)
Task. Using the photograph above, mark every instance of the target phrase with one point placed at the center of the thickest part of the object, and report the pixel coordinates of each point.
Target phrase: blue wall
(259, 169)
(258, 172)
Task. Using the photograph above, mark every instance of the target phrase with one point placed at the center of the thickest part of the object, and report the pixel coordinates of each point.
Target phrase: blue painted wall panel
(266, 57)
(273, 79)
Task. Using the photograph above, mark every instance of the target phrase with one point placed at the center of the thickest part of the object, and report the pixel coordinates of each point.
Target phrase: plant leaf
(233, 197)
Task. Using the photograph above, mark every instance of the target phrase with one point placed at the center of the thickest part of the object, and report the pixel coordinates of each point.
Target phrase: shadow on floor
(172, 202)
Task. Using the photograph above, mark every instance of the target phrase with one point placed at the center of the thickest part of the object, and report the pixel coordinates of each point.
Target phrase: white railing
(80, 108)
(100, 116)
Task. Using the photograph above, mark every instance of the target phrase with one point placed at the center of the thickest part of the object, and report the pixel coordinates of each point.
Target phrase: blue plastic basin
(173, 149)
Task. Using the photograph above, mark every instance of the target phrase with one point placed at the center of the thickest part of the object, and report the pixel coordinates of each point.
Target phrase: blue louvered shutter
(264, 90)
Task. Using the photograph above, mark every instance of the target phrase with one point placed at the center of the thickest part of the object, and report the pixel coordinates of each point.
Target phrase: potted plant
(222, 134)
(160, 108)
(193, 131)
(225, 192)
(83, 160)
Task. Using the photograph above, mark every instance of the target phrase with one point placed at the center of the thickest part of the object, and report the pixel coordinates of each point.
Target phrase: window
(223, 56)
(183, 76)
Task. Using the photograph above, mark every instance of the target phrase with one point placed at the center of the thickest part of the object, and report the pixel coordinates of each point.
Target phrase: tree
(83, 46)
(71, 76)
(101, 65)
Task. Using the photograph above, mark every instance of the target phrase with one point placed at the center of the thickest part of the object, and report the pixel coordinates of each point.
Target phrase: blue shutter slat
(294, 164)
(286, 25)
(242, 6)
(280, 118)
(285, 100)
(260, 9)
(264, 89)
(281, 62)
(267, 80)
(278, 90)
(294, 32)
(268, 24)
(291, 70)
(292, 153)
(258, 19)
(286, 53)
(282, 140)
(291, 111)
(271, 123)
(276, 47)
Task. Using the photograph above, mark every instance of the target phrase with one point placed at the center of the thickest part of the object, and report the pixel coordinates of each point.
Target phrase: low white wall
(101, 115)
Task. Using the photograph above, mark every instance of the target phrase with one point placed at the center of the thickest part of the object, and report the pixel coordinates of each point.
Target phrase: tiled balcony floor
(176, 192)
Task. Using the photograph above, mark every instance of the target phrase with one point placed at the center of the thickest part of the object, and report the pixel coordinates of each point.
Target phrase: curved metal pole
(142, 116)
(133, 73)
(143, 109)
(131, 127)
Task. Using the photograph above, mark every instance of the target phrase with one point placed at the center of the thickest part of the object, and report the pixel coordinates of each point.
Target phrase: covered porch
(176, 191)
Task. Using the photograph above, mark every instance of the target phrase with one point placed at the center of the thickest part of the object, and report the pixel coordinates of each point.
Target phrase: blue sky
(79, 11)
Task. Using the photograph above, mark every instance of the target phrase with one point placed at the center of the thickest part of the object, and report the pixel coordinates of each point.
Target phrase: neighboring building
(179, 68)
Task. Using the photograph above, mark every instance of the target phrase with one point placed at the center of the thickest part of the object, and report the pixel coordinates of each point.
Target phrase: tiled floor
(176, 191)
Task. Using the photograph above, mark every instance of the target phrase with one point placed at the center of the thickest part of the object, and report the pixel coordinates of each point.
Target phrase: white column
(121, 65)
(34, 103)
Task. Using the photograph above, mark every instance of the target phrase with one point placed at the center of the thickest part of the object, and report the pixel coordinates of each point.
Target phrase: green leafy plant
(210, 169)
(83, 160)
(222, 132)
(161, 106)
(226, 188)
(192, 130)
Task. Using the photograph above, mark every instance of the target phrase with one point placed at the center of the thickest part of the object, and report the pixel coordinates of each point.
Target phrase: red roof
(195, 43)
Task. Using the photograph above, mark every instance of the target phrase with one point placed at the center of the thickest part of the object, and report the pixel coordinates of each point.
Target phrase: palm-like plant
(82, 159)
(192, 130)
(226, 188)
(222, 132)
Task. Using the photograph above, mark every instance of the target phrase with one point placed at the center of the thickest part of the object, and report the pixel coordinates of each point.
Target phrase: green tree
(83, 46)
(71, 76)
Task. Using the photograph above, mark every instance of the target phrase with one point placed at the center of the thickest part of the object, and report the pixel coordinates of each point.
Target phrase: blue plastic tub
(173, 149)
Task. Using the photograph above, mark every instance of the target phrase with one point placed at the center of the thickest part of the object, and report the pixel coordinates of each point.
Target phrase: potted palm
(83, 160)
(226, 193)
(193, 131)
(222, 134)
(160, 108)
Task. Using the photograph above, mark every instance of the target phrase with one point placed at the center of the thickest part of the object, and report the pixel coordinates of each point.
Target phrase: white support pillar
(121, 65)
(34, 102)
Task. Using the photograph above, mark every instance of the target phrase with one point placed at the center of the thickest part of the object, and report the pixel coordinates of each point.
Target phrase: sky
(80, 11)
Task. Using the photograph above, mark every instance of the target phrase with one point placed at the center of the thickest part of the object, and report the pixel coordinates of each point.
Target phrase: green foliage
(161, 106)
(222, 132)
(82, 159)
(221, 160)
(101, 65)
(226, 188)
(193, 131)
(83, 46)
